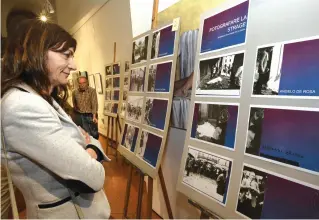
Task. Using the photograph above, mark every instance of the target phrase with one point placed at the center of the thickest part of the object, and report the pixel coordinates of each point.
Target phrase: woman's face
(59, 65)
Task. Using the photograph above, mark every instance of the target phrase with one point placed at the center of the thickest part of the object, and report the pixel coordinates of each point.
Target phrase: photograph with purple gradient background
(288, 69)
(225, 29)
(114, 108)
(214, 123)
(163, 42)
(129, 137)
(267, 196)
(149, 147)
(285, 135)
(116, 82)
(159, 77)
(155, 112)
(207, 173)
(116, 95)
(116, 68)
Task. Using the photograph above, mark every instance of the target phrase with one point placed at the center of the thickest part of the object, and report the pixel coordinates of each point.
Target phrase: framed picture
(98, 83)
(91, 81)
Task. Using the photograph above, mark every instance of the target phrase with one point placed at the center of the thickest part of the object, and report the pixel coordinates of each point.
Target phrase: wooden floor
(114, 187)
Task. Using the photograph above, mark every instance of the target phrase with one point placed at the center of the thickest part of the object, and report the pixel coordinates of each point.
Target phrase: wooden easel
(142, 175)
(113, 122)
(204, 213)
(149, 194)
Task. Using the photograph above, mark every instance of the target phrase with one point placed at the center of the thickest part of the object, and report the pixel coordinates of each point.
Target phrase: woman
(55, 165)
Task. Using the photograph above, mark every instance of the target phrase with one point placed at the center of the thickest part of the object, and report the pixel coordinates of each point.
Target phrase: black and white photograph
(134, 108)
(139, 52)
(124, 95)
(127, 66)
(108, 83)
(215, 123)
(108, 70)
(251, 193)
(137, 79)
(108, 95)
(92, 81)
(221, 75)
(155, 44)
(267, 74)
(254, 133)
(129, 137)
(107, 107)
(123, 110)
(207, 173)
(126, 82)
(142, 145)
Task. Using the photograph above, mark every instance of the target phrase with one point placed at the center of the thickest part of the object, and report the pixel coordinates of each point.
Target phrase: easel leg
(166, 198)
(128, 190)
(140, 196)
(149, 198)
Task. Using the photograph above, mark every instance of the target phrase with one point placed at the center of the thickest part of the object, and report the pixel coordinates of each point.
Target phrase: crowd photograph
(207, 173)
(251, 193)
(137, 79)
(134, 108)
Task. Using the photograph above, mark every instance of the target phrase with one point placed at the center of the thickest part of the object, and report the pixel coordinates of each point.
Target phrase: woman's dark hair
(25, 57)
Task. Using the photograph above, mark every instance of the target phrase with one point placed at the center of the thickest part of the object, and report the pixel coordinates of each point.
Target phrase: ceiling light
(43, 18)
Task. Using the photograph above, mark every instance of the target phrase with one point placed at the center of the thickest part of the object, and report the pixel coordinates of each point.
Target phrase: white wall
(96, 38)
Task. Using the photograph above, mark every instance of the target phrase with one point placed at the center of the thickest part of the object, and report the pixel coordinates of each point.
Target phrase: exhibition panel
(148, 95)
(255, 102)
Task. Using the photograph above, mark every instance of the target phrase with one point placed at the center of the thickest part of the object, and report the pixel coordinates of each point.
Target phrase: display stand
(204, 213)
(149, 194)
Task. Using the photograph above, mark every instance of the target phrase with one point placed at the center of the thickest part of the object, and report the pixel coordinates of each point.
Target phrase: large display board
(149, 86)
(251, 144)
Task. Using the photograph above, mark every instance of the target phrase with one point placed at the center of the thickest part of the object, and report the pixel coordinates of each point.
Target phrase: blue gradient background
(153, 147)
(300, 68)
(231, 126)
(158, 113)
(163, 77)
(285, 199)
(114, 108)
(210, 40)
(295, 131)
(230, 129)
(166, 42)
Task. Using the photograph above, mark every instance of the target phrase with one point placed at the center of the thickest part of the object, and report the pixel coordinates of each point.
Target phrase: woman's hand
(86, 135)
(92, 153)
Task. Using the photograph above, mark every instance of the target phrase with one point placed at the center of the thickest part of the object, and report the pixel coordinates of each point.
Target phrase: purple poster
(225, 29)
(163, 42)
(159, 77)
(129, 137)
(155, 112)
(268, 196)
(288, 136)
(116, 68)
(288, 69)
(149, 147)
